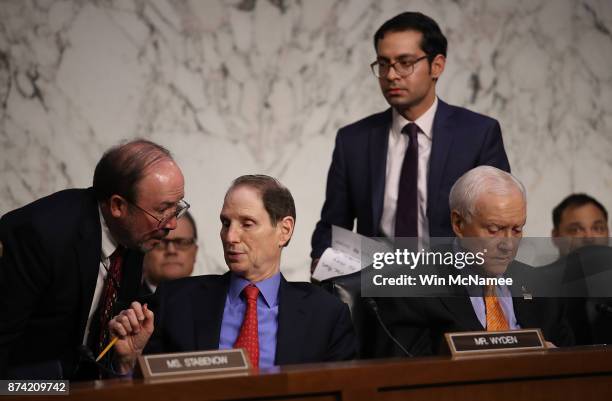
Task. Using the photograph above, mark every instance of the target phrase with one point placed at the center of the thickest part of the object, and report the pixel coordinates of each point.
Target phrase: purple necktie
(406, 212)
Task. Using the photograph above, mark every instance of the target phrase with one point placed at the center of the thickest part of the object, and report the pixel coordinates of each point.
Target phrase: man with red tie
(72, 257)
(252, 306)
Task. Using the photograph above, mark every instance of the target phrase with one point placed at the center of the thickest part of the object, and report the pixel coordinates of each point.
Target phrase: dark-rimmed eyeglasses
(179, 243)
(181, 208)
(403, 67)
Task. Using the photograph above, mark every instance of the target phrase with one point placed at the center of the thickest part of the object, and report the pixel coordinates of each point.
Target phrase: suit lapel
(523, 308)
(379, 142)
(442, 141)
(463, 313)
(131, 277)
(523, 311)
(292, 319)
(207, 306)
(88, 249)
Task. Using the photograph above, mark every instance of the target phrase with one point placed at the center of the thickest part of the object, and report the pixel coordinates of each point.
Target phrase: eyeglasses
(179, 243)
(403, 67)
(181, 208)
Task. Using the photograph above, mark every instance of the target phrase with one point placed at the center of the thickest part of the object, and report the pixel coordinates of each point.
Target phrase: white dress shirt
(398, 143)
(108, 247)
(152, 287)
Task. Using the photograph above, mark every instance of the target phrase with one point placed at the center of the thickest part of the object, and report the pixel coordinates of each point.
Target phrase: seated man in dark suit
(72, 257)
(293, 322)
(173, 257)
(579, 220)
(580, 232)
(488, 211)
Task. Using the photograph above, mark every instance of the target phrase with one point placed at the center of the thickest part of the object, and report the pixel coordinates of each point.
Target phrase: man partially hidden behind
(252, 306)
(173, 257)
(72, 257)
(392, 171)
(488, 211)
(580, 232)
(577, 221)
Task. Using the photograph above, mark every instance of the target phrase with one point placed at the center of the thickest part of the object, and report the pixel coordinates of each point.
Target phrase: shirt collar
(425, 121)
(108, 242)
(268, 288)
(149, 284)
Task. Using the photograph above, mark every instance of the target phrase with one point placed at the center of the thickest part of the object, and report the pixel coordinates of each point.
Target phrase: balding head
(122, 167)
(140, 191)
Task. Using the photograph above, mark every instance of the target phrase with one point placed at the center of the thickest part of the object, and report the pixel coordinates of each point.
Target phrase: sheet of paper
(334, 263)
(346, 241)
(345, 255)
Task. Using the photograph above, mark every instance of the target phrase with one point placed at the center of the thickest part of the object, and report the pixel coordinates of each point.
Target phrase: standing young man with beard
(392, 171)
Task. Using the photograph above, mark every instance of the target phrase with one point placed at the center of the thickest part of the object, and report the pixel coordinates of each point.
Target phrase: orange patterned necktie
(248, 338)
(496, 321)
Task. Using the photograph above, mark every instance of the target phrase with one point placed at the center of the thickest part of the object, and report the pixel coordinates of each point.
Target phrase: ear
(556, 240)
(286, 226)
(457, 223)
(437, 66)
(118, 206)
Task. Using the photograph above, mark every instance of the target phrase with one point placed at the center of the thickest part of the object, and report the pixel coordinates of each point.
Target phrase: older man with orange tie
(488, 211)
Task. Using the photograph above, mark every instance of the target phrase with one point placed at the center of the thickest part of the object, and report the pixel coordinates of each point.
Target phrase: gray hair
(479, 180)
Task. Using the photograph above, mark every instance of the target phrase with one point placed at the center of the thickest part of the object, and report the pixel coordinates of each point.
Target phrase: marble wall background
(245, 86)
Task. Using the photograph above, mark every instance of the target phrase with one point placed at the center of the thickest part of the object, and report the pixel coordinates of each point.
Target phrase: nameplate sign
(208, 364)
(479, 342)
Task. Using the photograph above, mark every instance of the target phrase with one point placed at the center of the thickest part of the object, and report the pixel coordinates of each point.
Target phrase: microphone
(374, 306)
(604, 309)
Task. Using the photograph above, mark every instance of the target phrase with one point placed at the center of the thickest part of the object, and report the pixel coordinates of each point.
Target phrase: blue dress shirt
(267, 316)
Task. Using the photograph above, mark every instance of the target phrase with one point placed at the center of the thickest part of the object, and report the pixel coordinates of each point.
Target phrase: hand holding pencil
(132, 329)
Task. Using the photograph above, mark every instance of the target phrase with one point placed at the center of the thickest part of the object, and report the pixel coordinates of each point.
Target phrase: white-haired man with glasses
(392, 171)
(73, 258)
(173, 257)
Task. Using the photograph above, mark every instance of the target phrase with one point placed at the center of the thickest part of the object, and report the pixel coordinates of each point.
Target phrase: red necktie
(406, 212)
(109, 296)
(249, 337)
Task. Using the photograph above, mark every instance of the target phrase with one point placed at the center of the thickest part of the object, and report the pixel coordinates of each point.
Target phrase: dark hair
(575, 200)
(123, 166)
(276, 198)
(433, 42)
(188, 216)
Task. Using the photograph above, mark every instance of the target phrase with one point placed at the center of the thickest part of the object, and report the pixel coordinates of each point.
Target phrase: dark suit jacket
(462, 140)
(313, 326)
(420, 323)
(48, 275)
(571, 277)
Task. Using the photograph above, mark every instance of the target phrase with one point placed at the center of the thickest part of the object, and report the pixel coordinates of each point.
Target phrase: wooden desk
(583, 373)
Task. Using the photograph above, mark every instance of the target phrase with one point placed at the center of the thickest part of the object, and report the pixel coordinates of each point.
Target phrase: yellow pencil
(108, 347)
